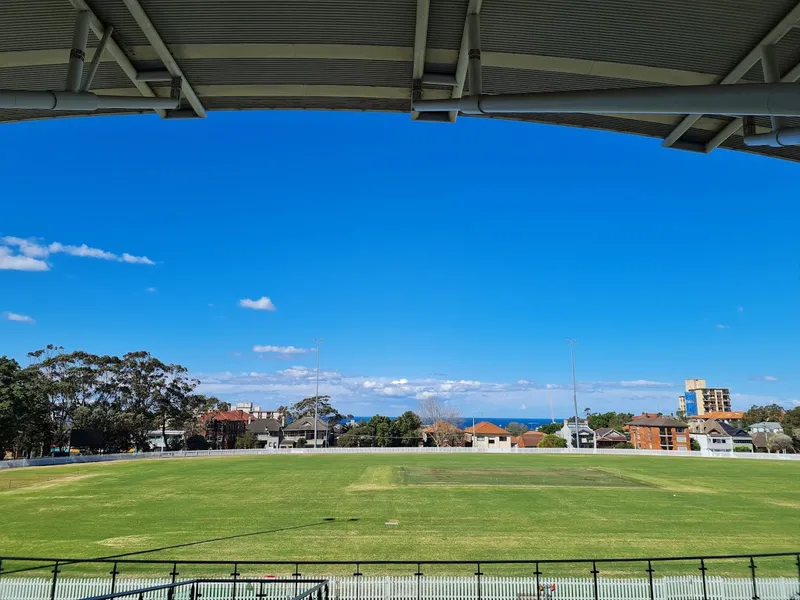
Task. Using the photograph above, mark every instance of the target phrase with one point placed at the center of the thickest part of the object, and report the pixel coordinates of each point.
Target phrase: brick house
(223, 427)
(649, 432)
(606, 437)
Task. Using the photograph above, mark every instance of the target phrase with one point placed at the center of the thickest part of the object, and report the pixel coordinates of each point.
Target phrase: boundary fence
(431, 588)
(92, 458)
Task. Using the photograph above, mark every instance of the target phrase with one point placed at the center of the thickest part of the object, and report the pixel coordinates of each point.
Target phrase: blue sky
(433, 259)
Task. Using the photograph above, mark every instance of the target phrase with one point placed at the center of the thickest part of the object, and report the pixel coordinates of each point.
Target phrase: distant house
(653, 432)
(268, 432)
(721, 438)
(605, 437)
(304, 428)
(258, 413)
(488, 435)
(157, 441)
(443, 433)
(585, 433)
(760, 442)
(223, 427)
(768, 427)
(529, 439)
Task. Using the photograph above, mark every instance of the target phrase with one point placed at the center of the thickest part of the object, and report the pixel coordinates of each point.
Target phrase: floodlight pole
(318, 342)
(574, 391)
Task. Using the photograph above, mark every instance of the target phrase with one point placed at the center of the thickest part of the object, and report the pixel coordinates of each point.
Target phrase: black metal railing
(753, 568)
(320, 591)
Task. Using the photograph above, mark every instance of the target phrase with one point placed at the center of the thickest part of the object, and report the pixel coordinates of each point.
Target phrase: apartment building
(650, 432)
(699, 399)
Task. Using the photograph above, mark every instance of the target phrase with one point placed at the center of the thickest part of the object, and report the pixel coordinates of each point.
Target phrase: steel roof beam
(737, 123)
(761, 99)
(420, 49)
(473, 8)
(741, 69)
(115, 51)
(164, 54)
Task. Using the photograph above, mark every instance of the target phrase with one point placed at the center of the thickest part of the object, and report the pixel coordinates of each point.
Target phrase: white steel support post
(118, 54)
(420, 49)
(739, 71)
(98, 56)
(769, 64)
(77, 54)
(473, 8)
(474, 66)
(164, 54)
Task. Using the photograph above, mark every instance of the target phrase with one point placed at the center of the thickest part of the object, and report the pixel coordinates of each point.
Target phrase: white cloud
(15, 262)
(236, 354)
(137, 260)
(27, 247)
(643, 383)
(721, 326)
(740, 308)
(17, 317)
(369, 395)
(262, 303)
(152, 290)
(31, 248)
(282, 349)
(764, 378)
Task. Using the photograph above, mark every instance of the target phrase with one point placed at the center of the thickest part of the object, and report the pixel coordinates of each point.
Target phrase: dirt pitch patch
(526, 477)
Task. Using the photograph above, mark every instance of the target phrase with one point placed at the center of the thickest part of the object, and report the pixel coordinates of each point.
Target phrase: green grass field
(468, 507)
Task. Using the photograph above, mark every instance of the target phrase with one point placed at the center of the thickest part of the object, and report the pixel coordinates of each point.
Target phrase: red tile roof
(486, 428)
(530, 439)
(227, 415)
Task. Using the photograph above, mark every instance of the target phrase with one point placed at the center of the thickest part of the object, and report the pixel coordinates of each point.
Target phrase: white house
(768, 427)
(156, 440)
(585, 432)
(488, 435)
(722, 438)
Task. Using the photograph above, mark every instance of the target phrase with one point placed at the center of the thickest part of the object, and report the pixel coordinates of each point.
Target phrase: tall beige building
(699, 399)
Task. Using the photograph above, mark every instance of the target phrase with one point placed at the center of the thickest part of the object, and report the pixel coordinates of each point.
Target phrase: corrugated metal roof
(356, 54)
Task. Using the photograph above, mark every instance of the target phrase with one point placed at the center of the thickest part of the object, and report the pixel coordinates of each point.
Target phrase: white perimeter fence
(428, 588)
(64, 460)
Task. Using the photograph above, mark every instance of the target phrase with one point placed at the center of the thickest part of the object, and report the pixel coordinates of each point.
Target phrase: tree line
(119, 398)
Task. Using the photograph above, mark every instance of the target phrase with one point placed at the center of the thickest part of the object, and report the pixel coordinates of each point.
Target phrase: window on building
(503, 438)
(491, 440)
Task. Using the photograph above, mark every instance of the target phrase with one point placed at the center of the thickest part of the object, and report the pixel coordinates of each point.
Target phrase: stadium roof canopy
(382, 55)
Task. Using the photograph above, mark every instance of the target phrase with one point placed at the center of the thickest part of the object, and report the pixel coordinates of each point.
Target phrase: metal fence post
(358, 574)
(537, 572)
(418, 575)
(114, 572)
(650, 579)
(479, 575)
(235, 576)
(55, 581)
(296, 576)
(703, 577)
(174, 574)
(753, 577)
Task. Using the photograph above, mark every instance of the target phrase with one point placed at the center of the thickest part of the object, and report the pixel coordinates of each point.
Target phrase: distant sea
(499, 421)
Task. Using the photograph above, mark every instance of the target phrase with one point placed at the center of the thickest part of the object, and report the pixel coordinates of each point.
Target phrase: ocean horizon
(529, 422)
